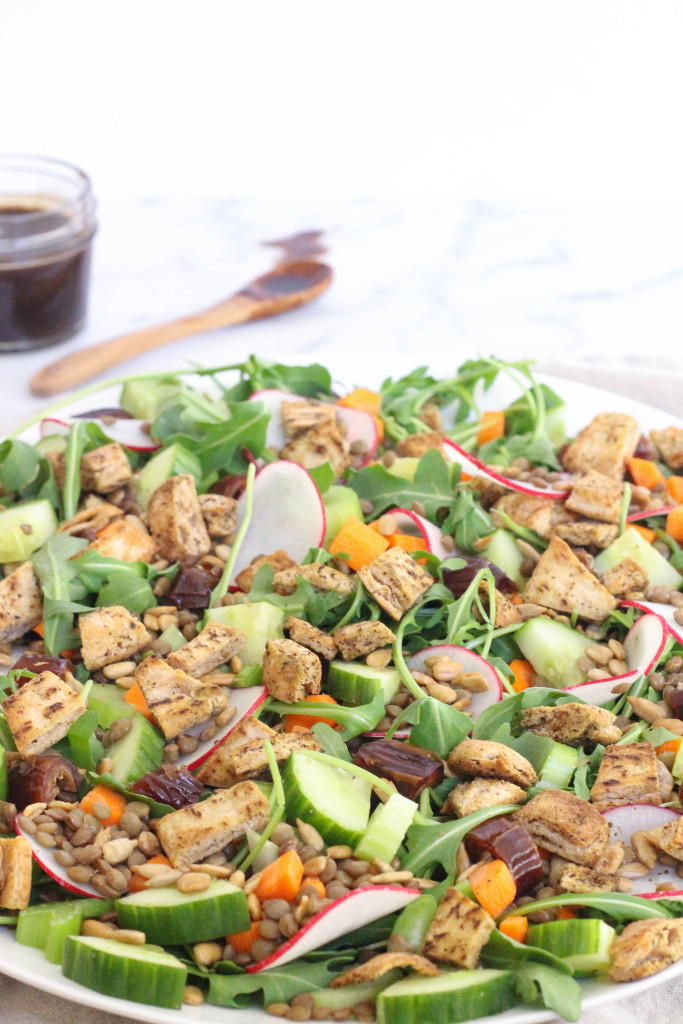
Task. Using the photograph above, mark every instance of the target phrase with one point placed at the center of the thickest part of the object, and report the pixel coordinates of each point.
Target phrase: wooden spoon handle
(86, 363)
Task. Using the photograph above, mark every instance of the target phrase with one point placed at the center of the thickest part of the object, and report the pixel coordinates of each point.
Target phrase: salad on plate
(342, 704)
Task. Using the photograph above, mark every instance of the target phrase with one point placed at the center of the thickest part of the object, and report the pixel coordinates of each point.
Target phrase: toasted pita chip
(382, 964)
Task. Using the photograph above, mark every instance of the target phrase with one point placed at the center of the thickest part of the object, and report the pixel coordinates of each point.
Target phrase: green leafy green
(502, 951)
(26, 474)
(432, 486)
(57, 574)
(436, 842)
(437, 726)
(277, 985)
(354, 721)
(538, 983)
(331, 741)
(615, 904)
(256, 374)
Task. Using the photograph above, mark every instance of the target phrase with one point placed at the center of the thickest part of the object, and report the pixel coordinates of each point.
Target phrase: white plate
(29, 966)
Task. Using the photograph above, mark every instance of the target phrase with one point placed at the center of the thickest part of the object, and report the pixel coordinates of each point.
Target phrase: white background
(518, 99)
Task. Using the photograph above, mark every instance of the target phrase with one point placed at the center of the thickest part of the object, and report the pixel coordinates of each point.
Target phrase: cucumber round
(386, 829)
(174, 918)
(553, 649)
(140, 751)
(353, 683)
(584, 943)
(330, 799)
(108, 703)
(15, 543)
(142, 974)
(451, 997)
(632, 545)
(260, 621)
(340, 503)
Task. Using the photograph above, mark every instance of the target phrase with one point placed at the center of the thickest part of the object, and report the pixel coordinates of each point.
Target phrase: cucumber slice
(175, 918)
(143, 398)
(52, 443)
(46, 925)
(558, 767)
(405, 467)
(335, 802)
(632, 545)
(143, 974)
(584, 943)
(141, 750)
(386, 829)
(108, 703)
(351, 682)
(15, 544)
(171, 461)
(340, 503)
(553, 650)
(172, 635)
(260, 621)
(502, 550)
(451, 997)
(346, 997)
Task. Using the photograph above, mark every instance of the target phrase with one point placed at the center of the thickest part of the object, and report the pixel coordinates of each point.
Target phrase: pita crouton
(290, 671)
(646, 947)
(21, 602)
(604, 445)
(41, 713)
(628, 774)
(489, 760)
(575, 724)
(176, 700)
(215, 645)
(395, 580)
(597, 496)
(561, 582)
(459, 931)
(564, 824)
(16, 863)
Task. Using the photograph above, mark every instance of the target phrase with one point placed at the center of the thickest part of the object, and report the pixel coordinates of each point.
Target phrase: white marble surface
(593, 293)
(577, 286)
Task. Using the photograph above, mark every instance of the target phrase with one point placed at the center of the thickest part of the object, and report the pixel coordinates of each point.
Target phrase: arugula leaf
(57, 574)
(355, 721)
(323, 476)
(19, 464)
(432, 486)
(85, 750)
(502, 951)
(437, 726)
(277, 985)
(222, 445)
(331, 741)
(538, 983)
(436, 842)
(312, 381)
(615, 904)
(504, 450)
(133, 593)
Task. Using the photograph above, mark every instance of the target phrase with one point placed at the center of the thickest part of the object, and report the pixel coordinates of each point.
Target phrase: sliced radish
(246, 700)
(288, 513)
(45, 859)
(353, 910)
(643, 646)
(663, 611)
(417, 526)
(630, 818)
(470, 662)
(127, 432)
(471, 465)
(601, 691)
(646, 513)
(360, 426)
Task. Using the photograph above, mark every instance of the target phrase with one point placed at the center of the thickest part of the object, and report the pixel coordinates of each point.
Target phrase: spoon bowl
(288, 286)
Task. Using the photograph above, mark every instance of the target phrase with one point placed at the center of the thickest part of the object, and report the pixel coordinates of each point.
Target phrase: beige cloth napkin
(662, 1005)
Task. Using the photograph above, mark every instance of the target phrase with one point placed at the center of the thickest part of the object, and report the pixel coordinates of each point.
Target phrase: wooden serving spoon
(288, 286)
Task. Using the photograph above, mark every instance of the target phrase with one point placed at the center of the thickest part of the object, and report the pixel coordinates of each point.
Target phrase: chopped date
(231, 486)
(458, 580)
(192, 586)
(410, 768)
(41, 779)
(40, 663)
(170, 784)
(513, 845)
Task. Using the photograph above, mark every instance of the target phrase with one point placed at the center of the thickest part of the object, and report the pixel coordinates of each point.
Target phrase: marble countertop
(591, 293)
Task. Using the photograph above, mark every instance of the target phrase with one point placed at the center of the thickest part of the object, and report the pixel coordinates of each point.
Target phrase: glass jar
(47, 223)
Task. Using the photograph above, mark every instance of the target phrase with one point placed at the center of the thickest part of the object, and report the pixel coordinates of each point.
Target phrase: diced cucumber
(502, 550)
(46, 925)
(340, 503)
(143, 398)
(260, 621)
(141, 750)
(25, 528)
(386, 829)
(405, 467)
(352, 682)
(108, 703)
(171, 461)
(677, 769)
(584, 943)
(450, 997)
(553, 649)
(3, 774)
(347, 996)
(174, 918)
(558, 767)
(172, 635)
(51, 443)
(335, 802)
(632, 545)
(143, 974)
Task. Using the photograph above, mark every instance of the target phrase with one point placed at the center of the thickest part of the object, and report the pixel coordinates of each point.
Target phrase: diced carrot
(103, 795)
(366, 401)
(69, 653)
(361, 543)
(408, 543)
(645, 473)
(292, 722)
(669, 745)
(515, 927)
(466, 476)
(674, 486)
(242, 941)
(523, 672)
(281, 880)
(40, 629)
(136, 697)
(645, 532)
(566, 914)
(674, 524)
(317, 884)
(493, 886)
(137, 883)
(491, 427)
(515, 598)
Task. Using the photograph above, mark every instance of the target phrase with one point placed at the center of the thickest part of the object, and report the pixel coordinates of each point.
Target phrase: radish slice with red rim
(663, 611)
(417, 526)
(646, 513)
(471, 465)
(360, 426)
(470, 662)
(246, 699)
(45, 859)
(353, 910)
(601, 691)
(128, 432)
(287, 513)
(629, 818)
(643, 645)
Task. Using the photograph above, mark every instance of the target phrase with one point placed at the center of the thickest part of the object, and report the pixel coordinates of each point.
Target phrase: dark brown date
(675, 702)
(410, 768)
(41, 779)
(170, 784)
(513, 845)
(230, 486)
(193, 584)
(40, 663)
